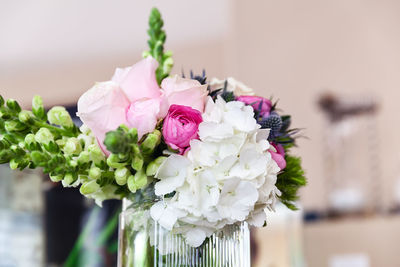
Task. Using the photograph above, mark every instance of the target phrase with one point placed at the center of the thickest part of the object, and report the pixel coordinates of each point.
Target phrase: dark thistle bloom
(273, 122)
(202, 79)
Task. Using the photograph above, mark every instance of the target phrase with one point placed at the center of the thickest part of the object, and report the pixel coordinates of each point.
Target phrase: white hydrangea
(228, 176)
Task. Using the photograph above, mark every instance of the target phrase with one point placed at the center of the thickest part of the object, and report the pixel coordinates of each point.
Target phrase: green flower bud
(72, 163)
(14, 126)
(4, 114)
(4, 143)
(44, 136)
(52, 147)
(11, 138)
(13, 164)
(16, 149)
(72, 146)
(60, 116)
(2, 129)
(83, 178)
(168, 53)
(168, 64)
(39, 158)
(1, 101)
(21, 144)
(131, 184)
(55, 178)
(30, 139)
(25, 116)
(84, 157)
(117, 142)
(95, 173)
(90, 187)
(121, 176)
(23, 164)
(68, 180)
(140, 179)
(5, 156)
(84, 129)
(114, 162)
(38, 108)
(133, 135)
(13, 105)
(145, 54)
(61, 142)
(96, 154)
(137, 162)
(123, 128)
(151, 142)
(136, 150)
(153, 166)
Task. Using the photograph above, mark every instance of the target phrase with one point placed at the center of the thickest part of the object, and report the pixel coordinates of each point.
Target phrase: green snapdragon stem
(74, 255)
(108, 230)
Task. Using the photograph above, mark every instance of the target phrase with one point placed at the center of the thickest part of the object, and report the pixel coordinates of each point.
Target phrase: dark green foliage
(290, 180)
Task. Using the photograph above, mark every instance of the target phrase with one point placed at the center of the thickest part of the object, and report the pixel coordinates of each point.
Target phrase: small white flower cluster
(228, 176)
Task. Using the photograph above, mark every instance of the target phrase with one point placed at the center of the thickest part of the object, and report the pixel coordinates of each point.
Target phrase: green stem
(73, 258)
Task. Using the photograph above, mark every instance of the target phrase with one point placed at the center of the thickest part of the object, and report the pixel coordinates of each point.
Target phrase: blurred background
(333, 65)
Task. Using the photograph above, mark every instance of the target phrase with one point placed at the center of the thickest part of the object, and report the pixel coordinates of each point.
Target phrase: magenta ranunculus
(255, 101)
(279, 155)
(180, 126)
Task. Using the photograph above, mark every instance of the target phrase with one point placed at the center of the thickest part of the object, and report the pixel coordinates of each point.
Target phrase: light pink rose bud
(279, 155)
(186, 92)
(180, 126)
(255, 102)
(143, 115)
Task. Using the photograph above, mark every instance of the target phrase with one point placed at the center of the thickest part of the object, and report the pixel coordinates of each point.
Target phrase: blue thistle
(273, 122)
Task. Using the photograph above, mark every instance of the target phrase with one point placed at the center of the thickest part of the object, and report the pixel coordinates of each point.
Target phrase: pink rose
(255, 101)
(139, 81)
(103, 108)
(185, 92)
(134, 98)
(180, 126)
(279, 155)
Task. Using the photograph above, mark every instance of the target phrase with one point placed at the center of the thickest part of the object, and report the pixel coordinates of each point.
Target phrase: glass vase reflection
(145, 243)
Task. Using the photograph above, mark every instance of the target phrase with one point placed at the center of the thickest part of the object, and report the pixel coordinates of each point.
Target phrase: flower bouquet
(195, 162)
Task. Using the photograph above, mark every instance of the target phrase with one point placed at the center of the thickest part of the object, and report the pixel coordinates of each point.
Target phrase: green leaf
(290, 181)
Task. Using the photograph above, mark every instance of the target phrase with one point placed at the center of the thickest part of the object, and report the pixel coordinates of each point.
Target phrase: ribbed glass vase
(144, 243)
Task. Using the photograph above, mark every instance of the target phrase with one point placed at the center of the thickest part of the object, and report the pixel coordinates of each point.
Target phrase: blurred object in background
(21, 222)
(352, 166)
(280, 243)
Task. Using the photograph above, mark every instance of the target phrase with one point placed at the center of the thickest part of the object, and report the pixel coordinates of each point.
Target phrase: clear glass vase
(144, 243)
